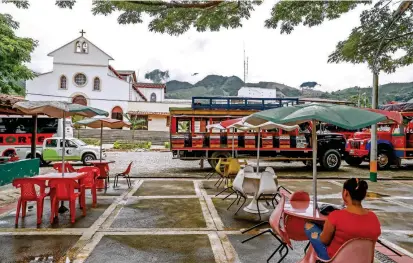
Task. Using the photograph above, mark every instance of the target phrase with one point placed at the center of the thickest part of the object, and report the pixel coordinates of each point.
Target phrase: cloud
(289, 59)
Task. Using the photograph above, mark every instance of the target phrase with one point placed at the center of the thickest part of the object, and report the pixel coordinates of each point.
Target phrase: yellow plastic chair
(218, 170)
(232, 167)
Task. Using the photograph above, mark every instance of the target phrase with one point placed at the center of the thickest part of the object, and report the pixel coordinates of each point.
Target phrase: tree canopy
(157, 76)
(309, 84)
(14, 52)
(384, 33)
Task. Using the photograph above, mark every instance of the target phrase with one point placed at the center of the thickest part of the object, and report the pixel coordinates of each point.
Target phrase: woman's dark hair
(357, 188)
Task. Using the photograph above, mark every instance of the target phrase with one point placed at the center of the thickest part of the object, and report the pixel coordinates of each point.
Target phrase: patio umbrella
(58, 109)
(103, 122)
(347, 117)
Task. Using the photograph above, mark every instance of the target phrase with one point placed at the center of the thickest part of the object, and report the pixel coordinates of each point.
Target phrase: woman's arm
(328, 233)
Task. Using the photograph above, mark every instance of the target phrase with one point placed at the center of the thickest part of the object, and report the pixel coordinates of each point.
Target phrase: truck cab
(394, 142)
(75, 150)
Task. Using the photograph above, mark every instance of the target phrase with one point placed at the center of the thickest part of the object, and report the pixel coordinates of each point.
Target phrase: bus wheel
(331, 160)
(383, 160)
(215, 157)
(353, 161)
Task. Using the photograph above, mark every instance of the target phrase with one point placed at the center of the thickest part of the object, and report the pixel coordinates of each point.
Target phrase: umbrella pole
(233, 150)
(64, 145)
(258, 150)
(62, 207)
(314, 146)
(101, 138)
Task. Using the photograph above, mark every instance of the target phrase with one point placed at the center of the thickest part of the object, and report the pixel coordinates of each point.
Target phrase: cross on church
(82, 32)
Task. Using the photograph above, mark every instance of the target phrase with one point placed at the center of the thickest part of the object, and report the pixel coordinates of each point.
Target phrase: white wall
(68, 55)
(160, 93)
(157, 123)
(257, 92)
(114, 92)
(154, 106)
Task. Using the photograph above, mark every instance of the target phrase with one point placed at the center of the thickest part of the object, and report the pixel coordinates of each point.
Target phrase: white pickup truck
(76, 150)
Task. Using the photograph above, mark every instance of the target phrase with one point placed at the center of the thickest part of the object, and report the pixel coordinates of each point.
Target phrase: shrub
(128, 145)
(91, 141)
(167, 145)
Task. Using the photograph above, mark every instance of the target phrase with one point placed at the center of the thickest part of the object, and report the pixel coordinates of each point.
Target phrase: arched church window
(63, 82)
(84, 47)
(96, 84)
(153, 97)
(78, 48)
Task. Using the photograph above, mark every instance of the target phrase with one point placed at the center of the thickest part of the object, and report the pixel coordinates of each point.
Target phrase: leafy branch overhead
(385, 30)
(14, 52)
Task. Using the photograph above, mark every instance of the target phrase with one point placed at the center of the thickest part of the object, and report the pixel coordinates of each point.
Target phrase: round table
(251, 185)
(303, 209)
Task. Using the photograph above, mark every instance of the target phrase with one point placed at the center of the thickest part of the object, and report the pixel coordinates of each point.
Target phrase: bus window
(184, 126)
(200, 125)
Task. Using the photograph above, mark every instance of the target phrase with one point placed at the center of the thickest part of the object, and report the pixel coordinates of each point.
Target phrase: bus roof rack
(238, 103)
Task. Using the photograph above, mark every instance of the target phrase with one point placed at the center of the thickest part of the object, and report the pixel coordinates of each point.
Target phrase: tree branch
(400, 36)
(175, 4)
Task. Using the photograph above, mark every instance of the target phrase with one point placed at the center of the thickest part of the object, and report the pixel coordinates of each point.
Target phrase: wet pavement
(181, 220)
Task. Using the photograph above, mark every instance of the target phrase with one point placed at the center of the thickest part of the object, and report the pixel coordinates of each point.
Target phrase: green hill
(216, 85)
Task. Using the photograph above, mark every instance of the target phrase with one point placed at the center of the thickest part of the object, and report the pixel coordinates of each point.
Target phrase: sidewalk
(181, 220)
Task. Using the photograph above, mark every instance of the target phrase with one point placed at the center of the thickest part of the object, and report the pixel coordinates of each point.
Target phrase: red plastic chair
(28, 193)
(68, 167)
(64, 190)
(277, 231)
(89, 181)
(125, 174)
(356, 250)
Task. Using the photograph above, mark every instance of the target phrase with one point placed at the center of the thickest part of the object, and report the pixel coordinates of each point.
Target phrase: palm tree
(134, 121)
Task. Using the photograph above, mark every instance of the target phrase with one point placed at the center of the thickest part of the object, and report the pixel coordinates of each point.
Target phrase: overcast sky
(288, 59)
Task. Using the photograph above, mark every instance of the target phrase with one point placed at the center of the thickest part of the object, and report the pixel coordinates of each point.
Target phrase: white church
(82, 74)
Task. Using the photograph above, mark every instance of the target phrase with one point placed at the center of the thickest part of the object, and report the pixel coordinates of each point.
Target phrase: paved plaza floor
(181, 220)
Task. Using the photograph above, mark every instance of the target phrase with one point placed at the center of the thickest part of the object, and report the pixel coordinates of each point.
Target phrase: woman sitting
(343, 225)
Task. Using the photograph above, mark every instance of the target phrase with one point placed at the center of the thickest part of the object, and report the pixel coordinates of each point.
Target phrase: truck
(191, 140)
(394, 143)
(75, 150)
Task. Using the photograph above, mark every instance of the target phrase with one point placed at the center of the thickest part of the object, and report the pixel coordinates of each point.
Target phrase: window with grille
(96, 84)
(80, 79)
(63, 82)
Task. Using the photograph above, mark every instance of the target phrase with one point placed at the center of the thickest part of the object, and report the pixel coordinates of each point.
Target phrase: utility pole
(374, 103)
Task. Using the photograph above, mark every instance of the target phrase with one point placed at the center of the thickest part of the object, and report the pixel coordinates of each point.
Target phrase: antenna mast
(245, 66)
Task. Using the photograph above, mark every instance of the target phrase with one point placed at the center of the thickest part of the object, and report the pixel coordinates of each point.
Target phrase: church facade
(82, 74)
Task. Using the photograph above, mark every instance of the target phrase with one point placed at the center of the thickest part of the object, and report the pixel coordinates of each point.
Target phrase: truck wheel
(353, 161)
(88, 157)
(331, 160)
(383, 160)
(215, 156)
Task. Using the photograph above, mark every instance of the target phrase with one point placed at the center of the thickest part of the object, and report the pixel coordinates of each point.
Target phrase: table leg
(252, 207)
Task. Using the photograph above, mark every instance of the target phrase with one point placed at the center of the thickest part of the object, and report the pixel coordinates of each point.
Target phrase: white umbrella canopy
(103, 122)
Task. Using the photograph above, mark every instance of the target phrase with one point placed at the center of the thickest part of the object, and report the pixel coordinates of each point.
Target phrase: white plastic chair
(248, 169)
(270, 169)
(237, 186)
(267, 190)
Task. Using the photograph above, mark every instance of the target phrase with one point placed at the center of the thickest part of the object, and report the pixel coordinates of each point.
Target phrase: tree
(14, 52)
(77, 127)
(135, 122)
(308, 85)
(157, 76)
